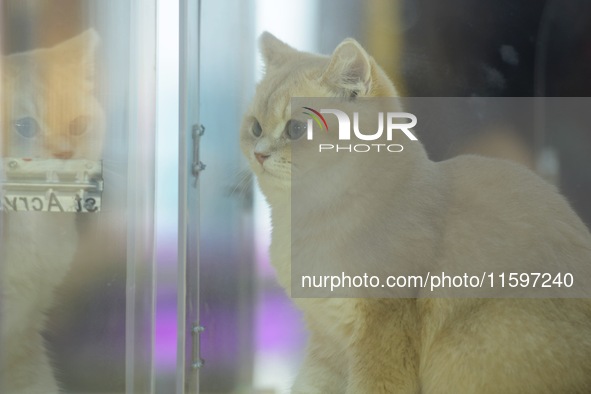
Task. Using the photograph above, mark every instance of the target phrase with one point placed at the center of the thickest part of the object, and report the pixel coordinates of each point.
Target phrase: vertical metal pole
(140, 303)
(189, 361)
(2, 258)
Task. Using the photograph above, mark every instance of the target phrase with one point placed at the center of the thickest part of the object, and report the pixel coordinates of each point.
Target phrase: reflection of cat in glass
(49, 111)
(458, 210)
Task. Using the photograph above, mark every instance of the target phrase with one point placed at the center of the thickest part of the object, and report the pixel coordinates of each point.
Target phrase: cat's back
(501, 215)
(503, 218)
(498, 190)
(478, 181)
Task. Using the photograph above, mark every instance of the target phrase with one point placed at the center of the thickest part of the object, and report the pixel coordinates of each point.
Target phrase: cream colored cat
(458, 211)
(48, 111)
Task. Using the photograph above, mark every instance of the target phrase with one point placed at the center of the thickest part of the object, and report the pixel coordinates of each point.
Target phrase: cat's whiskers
(243, 184)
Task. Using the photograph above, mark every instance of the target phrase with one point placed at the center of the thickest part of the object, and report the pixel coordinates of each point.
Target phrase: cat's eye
(80, 125)
(27, 127)
(294, 129)
(256, 129)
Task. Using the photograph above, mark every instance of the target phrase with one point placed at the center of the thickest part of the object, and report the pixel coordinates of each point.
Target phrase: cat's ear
(349, 69)
(80, 51)
(274, 51)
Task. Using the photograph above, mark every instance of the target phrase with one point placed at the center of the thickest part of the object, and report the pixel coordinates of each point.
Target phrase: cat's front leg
(376, 379)
(30, 372)
(322, 372)
(383, 357)
(380, 386)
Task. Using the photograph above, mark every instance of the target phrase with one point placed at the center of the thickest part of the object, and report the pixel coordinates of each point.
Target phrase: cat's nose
(261, 157)
(64, 155)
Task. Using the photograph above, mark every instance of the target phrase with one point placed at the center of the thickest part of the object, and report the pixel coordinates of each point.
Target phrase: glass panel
(226, 281)
(167, 151)
(77, 173)
(444, 49)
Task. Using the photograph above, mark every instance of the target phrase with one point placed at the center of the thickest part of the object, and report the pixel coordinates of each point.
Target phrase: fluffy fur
(456, 212)
(55, 88)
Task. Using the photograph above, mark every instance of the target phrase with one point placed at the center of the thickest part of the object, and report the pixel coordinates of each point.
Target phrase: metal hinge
(197, 166)
(197, 361)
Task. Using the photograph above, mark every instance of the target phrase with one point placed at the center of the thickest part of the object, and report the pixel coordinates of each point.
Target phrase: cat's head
(49, 109)
(269, 132)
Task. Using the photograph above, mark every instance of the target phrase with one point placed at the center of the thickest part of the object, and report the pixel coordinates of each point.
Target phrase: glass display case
(78, 196)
